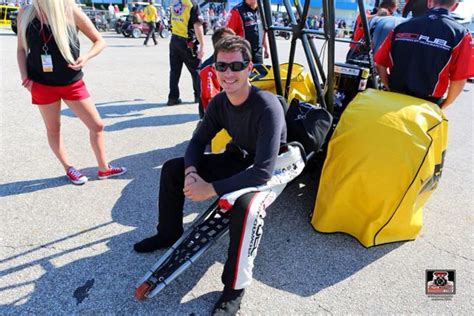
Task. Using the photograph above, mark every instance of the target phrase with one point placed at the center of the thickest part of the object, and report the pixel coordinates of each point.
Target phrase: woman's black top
(61, 75)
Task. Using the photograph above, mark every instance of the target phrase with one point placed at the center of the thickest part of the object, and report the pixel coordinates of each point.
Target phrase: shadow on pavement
(162, 120)
(28, 186)
(107, 110)
(292, 257)
(129, 110)
(104, 276)
(111, 111)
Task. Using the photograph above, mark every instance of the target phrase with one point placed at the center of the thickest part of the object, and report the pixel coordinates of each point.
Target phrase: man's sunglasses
(234, 66)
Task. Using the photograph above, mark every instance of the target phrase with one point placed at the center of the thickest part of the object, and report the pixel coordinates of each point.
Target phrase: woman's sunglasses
(234, 66)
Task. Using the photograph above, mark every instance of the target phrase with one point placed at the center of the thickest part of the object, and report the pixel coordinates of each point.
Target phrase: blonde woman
(51, 69)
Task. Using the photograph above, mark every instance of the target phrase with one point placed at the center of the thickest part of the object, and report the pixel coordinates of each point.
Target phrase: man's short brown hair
(233, 44)
(219, 33)
(390, 5)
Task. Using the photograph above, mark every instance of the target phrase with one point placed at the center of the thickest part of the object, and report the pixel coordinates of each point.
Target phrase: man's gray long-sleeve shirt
(256, 126)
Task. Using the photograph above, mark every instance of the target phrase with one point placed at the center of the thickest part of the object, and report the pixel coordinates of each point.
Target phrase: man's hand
(196, 189)
(265, 53)
(383, 74)
(198, 30)
(200, 52)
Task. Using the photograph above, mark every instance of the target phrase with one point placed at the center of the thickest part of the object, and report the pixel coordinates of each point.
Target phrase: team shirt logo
(178, 8)
(423, 39)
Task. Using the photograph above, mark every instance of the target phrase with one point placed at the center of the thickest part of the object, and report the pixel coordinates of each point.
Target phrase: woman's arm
(85, 25)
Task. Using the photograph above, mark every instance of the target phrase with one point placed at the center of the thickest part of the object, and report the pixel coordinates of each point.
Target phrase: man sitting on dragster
(255, 120)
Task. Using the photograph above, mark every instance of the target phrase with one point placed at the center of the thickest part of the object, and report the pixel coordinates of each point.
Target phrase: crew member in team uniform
(186, 46)
(151, 15)
(427, 56)
(244, 19)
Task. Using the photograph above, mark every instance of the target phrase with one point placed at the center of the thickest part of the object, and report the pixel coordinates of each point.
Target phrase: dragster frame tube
(368, 40)
(272, 42)
(312, 45)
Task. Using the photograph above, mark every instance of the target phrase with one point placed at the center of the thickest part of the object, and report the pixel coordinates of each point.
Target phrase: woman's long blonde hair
(59, 16)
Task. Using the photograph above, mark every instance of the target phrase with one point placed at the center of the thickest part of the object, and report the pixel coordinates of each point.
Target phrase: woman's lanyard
(46, 59)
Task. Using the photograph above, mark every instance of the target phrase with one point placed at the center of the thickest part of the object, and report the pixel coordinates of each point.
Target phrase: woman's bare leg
(52, 120)
(86, 111)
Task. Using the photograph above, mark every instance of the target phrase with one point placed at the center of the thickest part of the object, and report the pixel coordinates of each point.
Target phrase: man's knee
(173, 168)
(243, 202)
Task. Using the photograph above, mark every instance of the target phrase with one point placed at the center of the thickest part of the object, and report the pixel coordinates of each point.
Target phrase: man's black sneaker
(174, 101)
(151, 244)
(229, 303)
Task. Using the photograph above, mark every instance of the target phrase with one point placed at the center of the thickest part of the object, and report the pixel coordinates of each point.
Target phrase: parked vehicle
(117, 21)
(286, 35)
(13, 16)
(166, 27)
(6, 15)
(101, 23)
(136, 30)
(98, 18)
(122, 24)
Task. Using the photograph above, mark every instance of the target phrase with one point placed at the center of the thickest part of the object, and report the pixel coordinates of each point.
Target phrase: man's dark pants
(151, 32)
(179, 54)
(257, 56)
(171, 201)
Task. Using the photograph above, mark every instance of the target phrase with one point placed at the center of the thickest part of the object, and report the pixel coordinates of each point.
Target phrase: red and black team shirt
(246, 23)
(425, 53)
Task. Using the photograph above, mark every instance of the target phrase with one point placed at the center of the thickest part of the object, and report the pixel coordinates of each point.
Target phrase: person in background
(209, 84)
(186, 47)
(50, 66)
(381, 25)
(244, 19)
(150, 17)
(136, 19)
(141, 14)
(111, 11)
(428, 56)
(416, 7)
(356, 46)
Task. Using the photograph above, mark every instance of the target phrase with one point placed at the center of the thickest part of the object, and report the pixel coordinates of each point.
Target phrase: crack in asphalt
(447, 251)
(38, 246)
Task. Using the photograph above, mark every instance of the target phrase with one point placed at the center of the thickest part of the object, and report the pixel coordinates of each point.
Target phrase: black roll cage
(323, 82)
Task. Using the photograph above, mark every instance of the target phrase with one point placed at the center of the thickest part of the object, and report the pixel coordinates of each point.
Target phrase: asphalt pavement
(67, 249)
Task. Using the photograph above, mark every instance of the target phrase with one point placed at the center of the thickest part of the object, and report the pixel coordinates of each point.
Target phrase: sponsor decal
(440, 284)
(257, 228)
(431, 183)
(178, 7)
(423, 39)
(347, 70)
